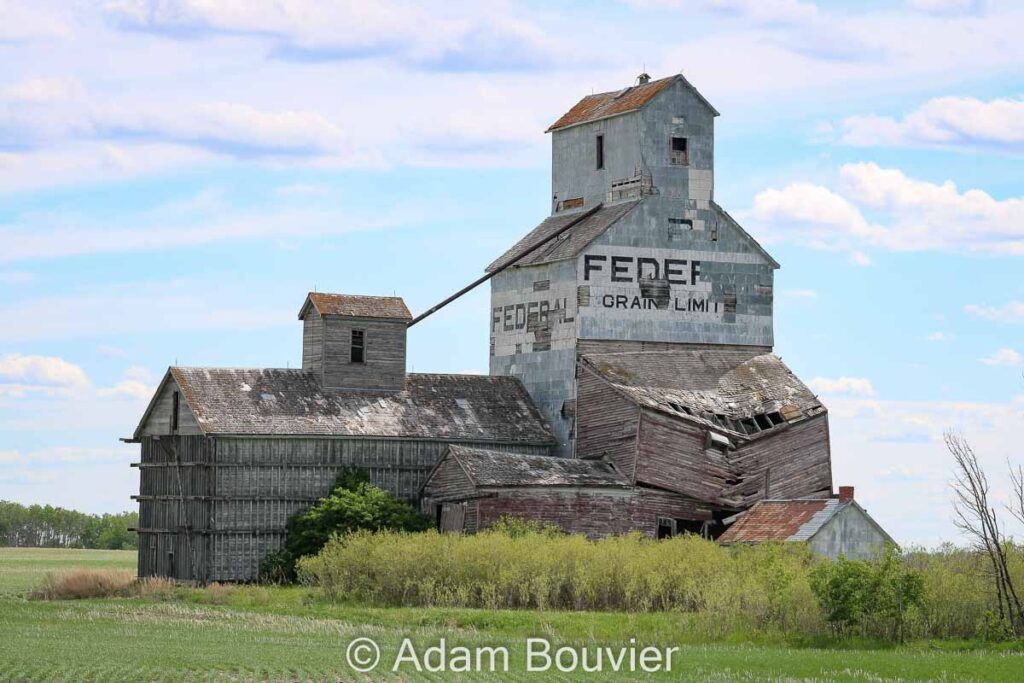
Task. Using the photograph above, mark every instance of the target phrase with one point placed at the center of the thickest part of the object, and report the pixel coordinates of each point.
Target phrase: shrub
(353, 504)
(873, 595)
(76, 584)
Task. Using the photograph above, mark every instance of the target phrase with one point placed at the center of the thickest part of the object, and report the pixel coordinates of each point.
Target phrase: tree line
(45, 526)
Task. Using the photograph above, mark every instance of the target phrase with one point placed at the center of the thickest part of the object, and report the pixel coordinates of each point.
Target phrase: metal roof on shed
(781, 520)
(276, 402)
(496, 468)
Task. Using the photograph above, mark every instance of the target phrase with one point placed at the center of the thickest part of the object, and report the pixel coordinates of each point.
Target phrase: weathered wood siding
(797, 460)
(672, 456)
(585, 346)
(159, 419)
(384, 354)
(593, 512)
(449, 482)
(606, 423)
(313, 341)
(210, 509)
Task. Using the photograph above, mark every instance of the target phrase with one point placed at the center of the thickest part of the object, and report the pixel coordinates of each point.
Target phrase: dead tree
(977, 518)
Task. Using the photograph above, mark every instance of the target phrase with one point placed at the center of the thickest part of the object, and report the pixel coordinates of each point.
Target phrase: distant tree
(54, 527)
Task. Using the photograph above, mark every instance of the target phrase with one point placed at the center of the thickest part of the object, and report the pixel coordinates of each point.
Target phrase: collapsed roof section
(742, 391)
(488, 468)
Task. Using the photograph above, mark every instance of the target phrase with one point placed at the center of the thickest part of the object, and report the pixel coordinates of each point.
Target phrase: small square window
(680, 154)
(358, 354)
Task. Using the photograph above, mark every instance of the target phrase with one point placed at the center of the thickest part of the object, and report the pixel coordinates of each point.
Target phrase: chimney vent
(644, 78)
(845, 494)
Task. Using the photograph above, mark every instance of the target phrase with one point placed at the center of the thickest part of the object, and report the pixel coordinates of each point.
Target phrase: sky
(175, 175)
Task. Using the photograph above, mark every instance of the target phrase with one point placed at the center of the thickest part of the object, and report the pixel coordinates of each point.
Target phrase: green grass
(292, 634)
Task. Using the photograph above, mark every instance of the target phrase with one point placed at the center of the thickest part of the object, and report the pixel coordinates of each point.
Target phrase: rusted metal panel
(606, 104)
(351, 305)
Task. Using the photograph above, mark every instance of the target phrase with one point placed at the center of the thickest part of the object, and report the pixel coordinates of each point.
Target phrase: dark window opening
(680, 152)
(776, 418)
(175, 403)
(600, 152)
(762, 421)
(358, 354)
(691, 526)
(666, 527)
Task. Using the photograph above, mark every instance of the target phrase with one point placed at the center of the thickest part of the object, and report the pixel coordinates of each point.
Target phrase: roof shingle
(357, 306)
(275, 402)
(605, 104)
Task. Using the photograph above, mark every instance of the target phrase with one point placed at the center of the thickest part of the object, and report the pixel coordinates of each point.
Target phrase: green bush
(353, 504)
(874, 596)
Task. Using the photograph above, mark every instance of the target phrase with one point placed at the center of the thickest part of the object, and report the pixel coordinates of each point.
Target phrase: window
(600, 152)
(175, 402)
(358, 347)
(574, 203)
(680, 154)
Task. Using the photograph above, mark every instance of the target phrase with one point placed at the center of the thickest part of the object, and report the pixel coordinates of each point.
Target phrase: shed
(471, 488)
(831, 527)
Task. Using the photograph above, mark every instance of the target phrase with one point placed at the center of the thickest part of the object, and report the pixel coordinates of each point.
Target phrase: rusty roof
(356, 305)
(485, 467)
(278, 402)
(715, 386)
(607, 104)
(569, 243)
(781, 520)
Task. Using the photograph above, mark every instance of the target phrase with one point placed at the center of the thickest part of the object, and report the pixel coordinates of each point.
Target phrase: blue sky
(176, 175)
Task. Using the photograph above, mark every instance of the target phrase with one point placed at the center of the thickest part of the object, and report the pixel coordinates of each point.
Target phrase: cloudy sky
(175, 175)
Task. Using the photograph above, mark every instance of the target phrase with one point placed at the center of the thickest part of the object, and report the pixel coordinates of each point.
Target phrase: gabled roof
(496, 468)
(275, 402)
(607, 104)
(724, 387)
(392, 307)
(567, 245)
(789, 520)
(781, 520)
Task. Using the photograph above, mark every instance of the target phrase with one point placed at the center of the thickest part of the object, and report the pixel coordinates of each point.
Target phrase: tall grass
(764, 588)
(759, 587)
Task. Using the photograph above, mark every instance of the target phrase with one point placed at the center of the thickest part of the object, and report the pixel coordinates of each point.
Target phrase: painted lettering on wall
(512, 317)
(622, 268)
(682, 304)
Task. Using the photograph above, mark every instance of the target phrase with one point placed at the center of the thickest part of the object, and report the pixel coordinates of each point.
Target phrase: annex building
(632, 380)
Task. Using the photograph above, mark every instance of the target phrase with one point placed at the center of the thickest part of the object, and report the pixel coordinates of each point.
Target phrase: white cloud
(41, 371)
(944, 122)
(756, 11)
(24, 21)
(854, 386)
(939, 336)
(1004, 356)
(42, 90)
(919, 215)
(1007, 313)
(453, 37)
(129, 388)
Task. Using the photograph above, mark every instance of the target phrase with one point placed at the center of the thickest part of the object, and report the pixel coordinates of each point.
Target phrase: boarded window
(358, 354)
(574, 203)
(730, 299)
(542, 285)
(599, 152)
(677, 227)
(680, 154)
(175, 408)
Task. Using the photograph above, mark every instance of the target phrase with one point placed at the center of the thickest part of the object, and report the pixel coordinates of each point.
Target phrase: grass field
(254, 633)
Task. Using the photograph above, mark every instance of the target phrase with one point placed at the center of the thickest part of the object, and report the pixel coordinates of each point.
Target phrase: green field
(291, 634)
